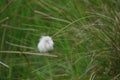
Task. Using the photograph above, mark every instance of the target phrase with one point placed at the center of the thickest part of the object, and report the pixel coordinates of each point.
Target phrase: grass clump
(86, 35)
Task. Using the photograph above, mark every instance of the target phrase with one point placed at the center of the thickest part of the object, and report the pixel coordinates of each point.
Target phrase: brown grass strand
(29, 53)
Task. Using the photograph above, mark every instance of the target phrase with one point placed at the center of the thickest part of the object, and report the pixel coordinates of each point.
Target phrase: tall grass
(86, 35)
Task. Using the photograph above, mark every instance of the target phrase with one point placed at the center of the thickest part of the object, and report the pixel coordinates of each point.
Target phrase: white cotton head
(45, 44)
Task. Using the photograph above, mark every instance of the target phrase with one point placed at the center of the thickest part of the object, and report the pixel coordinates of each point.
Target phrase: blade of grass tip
(4, 64)
(29, 53)
(59, 31)
(16, 45)
(16, 28)
(4, 19)
(51, 17)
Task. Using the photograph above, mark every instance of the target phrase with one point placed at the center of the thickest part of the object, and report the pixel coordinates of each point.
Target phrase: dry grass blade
(21, 46)
(9, 3)
(86, 71)
(51, 17)
(16, 28)
(101, 15)
(4, 19)
(29, 53)
(62, 29)
(4, 64)
(116, 77)
(92, 77)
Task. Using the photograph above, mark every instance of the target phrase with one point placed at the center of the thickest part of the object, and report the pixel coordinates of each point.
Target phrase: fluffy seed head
(45, 44)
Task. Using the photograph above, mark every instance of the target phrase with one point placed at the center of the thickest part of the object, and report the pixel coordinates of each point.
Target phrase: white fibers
(45, 44)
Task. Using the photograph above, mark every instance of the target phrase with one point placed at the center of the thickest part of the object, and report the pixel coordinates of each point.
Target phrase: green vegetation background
(86, 35)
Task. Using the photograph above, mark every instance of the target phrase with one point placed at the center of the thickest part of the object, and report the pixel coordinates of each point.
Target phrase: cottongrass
(45, 44)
